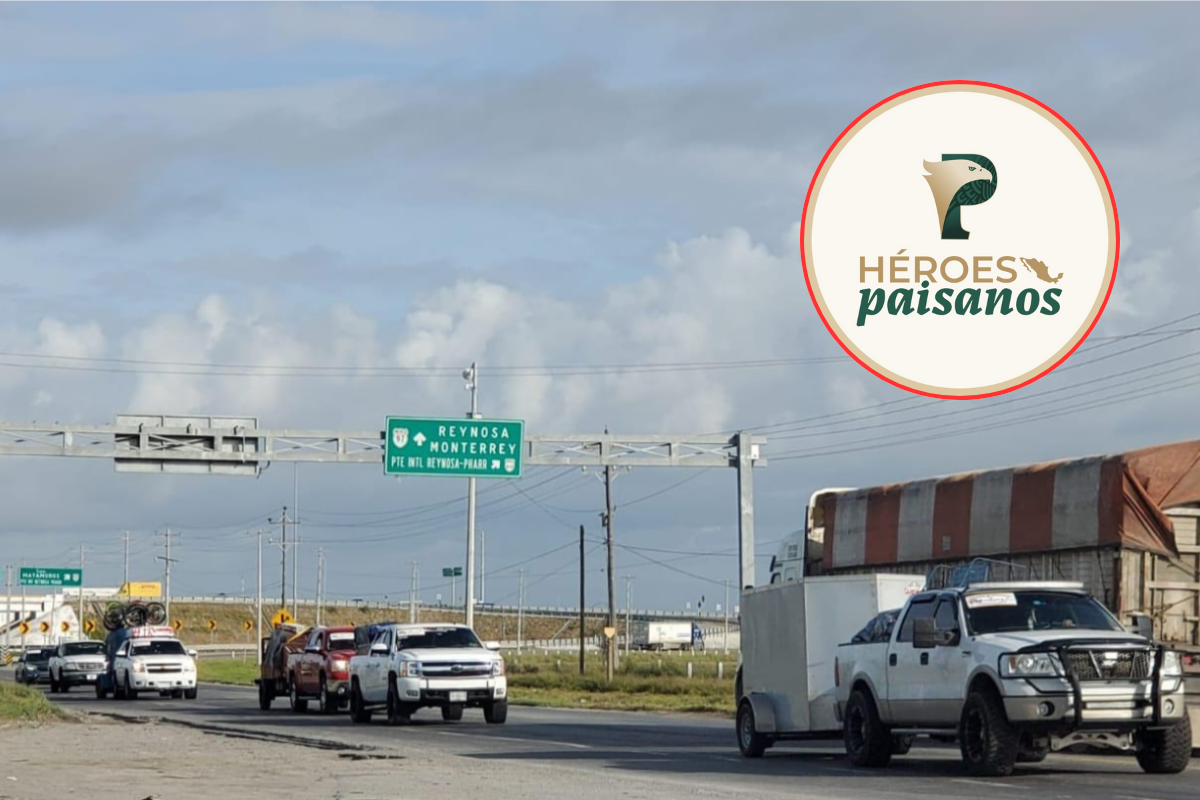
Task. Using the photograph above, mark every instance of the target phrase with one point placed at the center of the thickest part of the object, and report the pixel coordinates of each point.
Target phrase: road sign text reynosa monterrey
(464, 448)
(50, 576)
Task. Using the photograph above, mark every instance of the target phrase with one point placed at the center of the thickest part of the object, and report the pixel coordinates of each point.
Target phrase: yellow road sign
(212, 624)
(141, 589)
(281, 617)
(177, 625)
(45, 627)
(247, 625)
(23, 628)
(609, 631)
(89, 626)
(65, 626)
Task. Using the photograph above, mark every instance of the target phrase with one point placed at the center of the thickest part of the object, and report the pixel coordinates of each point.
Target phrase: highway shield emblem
(400, 436)
(510, 464)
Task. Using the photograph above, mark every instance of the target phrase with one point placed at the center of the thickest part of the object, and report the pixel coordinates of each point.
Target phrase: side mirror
(193, 653)
(492, 645)
(925, 633)
(379, 649)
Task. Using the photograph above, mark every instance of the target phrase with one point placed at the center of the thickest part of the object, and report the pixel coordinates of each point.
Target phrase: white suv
(156, 664)
(76, 664)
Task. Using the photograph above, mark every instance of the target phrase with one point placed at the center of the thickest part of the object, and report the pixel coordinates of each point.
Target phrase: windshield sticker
(991, 600)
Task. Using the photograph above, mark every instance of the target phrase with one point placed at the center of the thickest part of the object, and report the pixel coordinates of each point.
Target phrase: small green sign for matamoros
(51, 576)
(462, 448)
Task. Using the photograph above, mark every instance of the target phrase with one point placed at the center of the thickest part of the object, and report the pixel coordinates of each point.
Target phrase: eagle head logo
(957, 181)
(400, 436)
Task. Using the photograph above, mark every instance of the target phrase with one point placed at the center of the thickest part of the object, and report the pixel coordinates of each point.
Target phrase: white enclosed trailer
(786, 684)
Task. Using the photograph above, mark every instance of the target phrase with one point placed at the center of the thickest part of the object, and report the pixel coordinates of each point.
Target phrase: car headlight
(1171, 666)
(1029, 665)
(189, 667)
(137, 666)
(498, 667)
(410, 669)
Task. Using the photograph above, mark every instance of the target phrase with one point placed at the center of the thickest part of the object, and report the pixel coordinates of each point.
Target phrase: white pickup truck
(76, 664)
(1013, 670)
(408, 667)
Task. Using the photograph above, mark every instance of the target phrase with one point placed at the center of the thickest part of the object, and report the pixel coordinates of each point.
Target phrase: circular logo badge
(960, 240)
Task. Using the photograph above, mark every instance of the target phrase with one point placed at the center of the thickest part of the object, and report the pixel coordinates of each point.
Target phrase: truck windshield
(341, 640)
(167, 647)
(83, 648)
(448, 637)
(998, 612)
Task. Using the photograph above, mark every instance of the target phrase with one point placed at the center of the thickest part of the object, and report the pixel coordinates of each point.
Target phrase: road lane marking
(985, 783)
(515, 739)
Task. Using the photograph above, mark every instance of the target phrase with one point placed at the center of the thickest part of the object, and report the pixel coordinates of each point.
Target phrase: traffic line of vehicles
(129, 661)
(387, 667)
(1010, 670)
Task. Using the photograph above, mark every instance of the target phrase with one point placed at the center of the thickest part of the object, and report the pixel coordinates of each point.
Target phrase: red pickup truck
(321, 670)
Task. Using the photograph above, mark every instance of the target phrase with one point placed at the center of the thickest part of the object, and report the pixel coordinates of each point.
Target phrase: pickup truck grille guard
(1080, 662)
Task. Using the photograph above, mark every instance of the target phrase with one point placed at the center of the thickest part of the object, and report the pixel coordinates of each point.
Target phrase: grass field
(27, 704)
(645, 681)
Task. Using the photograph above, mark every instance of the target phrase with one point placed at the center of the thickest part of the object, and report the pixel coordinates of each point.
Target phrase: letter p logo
(957, 181)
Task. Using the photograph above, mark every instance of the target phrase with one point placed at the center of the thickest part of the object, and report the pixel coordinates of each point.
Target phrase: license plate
(458, 697)
(91, 677)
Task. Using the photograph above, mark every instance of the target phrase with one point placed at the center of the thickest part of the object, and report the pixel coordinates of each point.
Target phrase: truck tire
(358, 712)
(53, 684)
(737, 689)
(328, 705)
(868, 741)
(902, 743)
(452, 712)
(1166, 752)
(298, 706)
(988, 742)
(751, 743)
(100, 693)
(1028, 753)
(190, 694)
(398, 713)
(130, 692)
(496, 712)
(264, 696)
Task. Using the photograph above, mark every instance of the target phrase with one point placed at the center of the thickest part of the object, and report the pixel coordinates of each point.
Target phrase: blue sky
(523, 184)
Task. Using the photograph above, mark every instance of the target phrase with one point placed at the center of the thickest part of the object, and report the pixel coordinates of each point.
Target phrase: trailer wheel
(1166, 752)
(751, 743)
(868, 741)
(264, 696)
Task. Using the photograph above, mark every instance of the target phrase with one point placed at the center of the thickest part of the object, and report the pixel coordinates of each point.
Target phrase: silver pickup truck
(1013, 671)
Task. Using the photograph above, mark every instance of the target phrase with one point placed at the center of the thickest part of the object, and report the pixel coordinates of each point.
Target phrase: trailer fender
(764, 712)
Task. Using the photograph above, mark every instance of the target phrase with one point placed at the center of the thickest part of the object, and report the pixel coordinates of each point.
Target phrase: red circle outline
(1112, 201)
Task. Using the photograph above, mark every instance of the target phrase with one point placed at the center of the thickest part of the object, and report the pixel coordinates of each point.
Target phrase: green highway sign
(451, 572)
(51, 576)
(461, 448)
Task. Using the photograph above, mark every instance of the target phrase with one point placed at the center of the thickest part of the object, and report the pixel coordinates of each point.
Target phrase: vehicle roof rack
(977, 570)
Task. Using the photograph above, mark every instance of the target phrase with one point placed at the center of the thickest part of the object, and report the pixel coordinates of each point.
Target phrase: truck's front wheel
(1166, 752)
(358, 711)
(496, 712)
(868, 741)
(989, 744)
(751, 743)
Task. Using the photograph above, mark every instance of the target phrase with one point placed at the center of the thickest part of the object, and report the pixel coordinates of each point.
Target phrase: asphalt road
(683, 756)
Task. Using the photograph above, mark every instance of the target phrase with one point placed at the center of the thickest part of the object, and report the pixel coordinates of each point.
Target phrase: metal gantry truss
(237, 446)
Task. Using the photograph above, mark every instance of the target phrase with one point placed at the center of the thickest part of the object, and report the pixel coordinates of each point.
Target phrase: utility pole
(412, 595)
(725, 645)
(612, 579)
(471, 375)
(482, 565)
(520, 609)
(167, 562)
(582, 599)
(295, 540)
(80, 621)
(628, 612)
(282, 522)
(125, 539)
(320, 581)
(7, 605)
(258, 598)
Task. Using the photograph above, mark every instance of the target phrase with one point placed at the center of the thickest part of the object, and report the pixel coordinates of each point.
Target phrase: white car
(76, 664)
(160, 664)
(408, 667)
